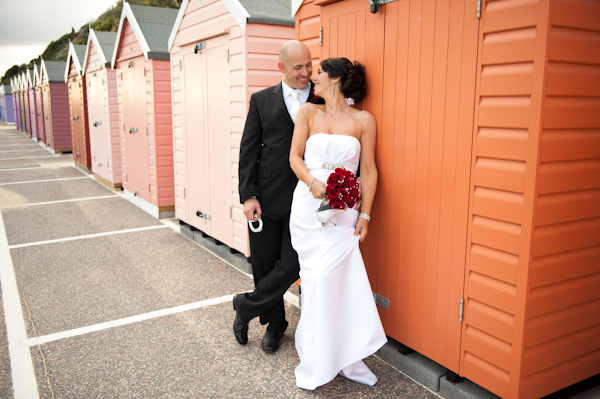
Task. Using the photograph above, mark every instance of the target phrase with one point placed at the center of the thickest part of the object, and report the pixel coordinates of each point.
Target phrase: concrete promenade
(102, 300)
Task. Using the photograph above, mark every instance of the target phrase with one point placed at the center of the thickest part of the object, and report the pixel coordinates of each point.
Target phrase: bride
(339, 324)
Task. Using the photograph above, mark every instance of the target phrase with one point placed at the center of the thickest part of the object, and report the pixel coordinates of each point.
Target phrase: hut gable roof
(77, 54)
(271, 12)
(37, 72)
(104, 43)
(29, 84)
(53, 71)
(152, 26)
(296, 4)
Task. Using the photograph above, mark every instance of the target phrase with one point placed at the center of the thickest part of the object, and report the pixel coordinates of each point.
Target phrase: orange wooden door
(135, 121)
(208, 139)
(420, 58)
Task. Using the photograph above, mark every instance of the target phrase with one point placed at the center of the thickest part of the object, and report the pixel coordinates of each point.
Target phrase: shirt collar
(287, 90)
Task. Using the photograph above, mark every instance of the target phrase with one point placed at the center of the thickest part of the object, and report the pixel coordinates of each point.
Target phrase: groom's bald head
(295, 63)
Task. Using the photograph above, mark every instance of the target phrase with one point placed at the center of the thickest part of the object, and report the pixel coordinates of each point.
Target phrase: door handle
(75, 118)
(133, 130)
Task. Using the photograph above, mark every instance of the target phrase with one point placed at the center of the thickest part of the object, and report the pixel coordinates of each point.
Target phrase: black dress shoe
(270, 342)
(240, 327)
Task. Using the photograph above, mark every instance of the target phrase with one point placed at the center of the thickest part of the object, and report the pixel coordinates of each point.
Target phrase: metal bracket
(478, 8)
(321, 36)
(381, 301)
(460, 311)
(376, 3)
(203, 215)
(199, 47)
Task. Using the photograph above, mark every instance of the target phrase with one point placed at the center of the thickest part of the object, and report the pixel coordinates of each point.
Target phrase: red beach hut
(56, 107)
(103, 108)
(141, 60)
(76, 84)
(39, 105)
(24, 103)
(485, 237)
(221, 53)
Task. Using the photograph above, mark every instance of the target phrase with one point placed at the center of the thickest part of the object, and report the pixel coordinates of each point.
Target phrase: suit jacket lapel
(280, 103)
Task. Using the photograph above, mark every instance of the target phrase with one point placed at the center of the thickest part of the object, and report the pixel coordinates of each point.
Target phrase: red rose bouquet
(342, 192)
(342, 189)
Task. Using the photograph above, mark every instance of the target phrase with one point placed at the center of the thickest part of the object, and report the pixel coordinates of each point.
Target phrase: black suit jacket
(264, 167)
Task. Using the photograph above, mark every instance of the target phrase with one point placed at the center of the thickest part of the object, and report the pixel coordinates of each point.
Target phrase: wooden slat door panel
(196, 142)
(420, 58)
(75, 125)
(98, 124)
(208, 138)
(135, 116)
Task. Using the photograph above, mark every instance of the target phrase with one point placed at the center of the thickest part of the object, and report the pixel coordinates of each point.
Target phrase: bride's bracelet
(311, 182)
(365, 216)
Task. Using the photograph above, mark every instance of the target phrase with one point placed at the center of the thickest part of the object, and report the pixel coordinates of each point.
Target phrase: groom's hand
(250, 207)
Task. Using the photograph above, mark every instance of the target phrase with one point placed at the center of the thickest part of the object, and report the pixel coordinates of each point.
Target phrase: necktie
(295, 105)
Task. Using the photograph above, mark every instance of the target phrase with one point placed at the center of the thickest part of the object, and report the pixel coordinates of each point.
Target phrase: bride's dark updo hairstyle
(353, 81)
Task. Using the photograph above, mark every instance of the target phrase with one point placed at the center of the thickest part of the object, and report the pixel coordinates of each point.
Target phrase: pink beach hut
(56, 107)
(78, 112)
(33, 121)
(141, 59)
(103, 109)
(221, 52)
(39, 105)
(14, 88)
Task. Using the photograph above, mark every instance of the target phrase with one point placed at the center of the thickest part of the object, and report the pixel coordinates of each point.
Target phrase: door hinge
(227, 55)
(381, 301)
(184, 192)
(230, 212)
(180, 66)
(460, 311)
(321, 36)
(146, 130)
(148, 187)
(125, 176)
(478, 8)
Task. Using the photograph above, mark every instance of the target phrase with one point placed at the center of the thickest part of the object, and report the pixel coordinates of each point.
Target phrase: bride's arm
(368, 171)
(301, 130)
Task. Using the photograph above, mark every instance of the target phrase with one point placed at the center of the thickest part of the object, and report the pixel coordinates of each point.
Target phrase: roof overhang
(127, 13)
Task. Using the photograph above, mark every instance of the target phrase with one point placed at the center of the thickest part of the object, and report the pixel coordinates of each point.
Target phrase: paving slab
(21, 194)
(194, 354)
(39, 152)
(39, 174)
(71, 219)
(73, 284)
(52, 161)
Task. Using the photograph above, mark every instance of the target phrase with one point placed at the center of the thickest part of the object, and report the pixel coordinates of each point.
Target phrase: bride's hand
(361, 228)
(318, 189)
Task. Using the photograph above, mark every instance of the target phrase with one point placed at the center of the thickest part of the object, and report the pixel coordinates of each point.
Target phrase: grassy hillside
(58, 49)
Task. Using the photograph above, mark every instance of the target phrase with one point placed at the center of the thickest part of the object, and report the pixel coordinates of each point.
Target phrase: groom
(266, 185)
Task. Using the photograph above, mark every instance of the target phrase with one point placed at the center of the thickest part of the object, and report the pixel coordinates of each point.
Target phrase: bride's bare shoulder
(365, 117)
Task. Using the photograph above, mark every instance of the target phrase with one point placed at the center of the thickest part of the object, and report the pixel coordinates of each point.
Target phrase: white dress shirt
(289, 99)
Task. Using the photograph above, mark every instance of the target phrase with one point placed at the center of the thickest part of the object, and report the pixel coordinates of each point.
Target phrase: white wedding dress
(339, 324)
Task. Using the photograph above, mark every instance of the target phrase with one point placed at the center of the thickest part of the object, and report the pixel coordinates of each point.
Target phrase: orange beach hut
(221, 53)
(55, 99)
(484, 247)
(103, 108)
(141, 60)
(76, 84)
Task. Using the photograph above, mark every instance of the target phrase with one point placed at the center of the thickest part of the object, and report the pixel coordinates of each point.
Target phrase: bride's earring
(332, 89)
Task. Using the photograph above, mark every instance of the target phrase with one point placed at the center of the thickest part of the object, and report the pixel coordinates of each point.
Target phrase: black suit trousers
(274, 267)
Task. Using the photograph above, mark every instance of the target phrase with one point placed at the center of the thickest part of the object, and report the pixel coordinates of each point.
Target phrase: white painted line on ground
(19, 145)
(42, 181)
(85, 237)
(25, 150)
(62, 201)
(23, 375)
(13, 169)
(40, 156)
(127, 320)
